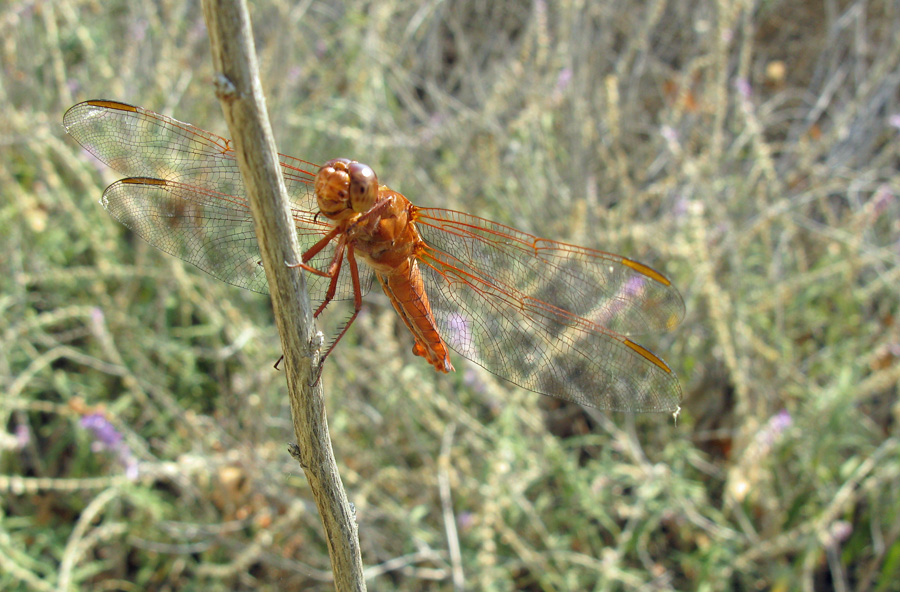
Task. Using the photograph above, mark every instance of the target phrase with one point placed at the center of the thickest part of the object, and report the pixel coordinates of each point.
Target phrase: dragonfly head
(345, 187)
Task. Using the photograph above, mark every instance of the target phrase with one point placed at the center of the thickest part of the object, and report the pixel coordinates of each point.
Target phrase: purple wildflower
(772, 431)
(138, 30)
(105, 433)
(742, 85)
(882, 199)
(563, 80)
(681, 207)
(459, 331)
(23, 436)
(634, 286)
(108, 438)
(294, 74)
(465, 520)
(780, 422)
(669, 134)
(473, 381)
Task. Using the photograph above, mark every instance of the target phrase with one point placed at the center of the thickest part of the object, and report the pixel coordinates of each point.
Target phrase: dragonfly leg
(316, 375)
(315, 250)
(357, 299)
(334, 272)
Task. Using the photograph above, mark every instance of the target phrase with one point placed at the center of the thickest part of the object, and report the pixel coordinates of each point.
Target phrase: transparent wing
(549, 316)
(185, 195)
(210, 230)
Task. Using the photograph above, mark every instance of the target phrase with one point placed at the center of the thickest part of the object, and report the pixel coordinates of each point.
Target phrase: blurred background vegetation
(747, 150)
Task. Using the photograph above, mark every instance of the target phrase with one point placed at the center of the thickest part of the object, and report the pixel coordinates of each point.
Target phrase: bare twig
(239, 90)
(459, 579)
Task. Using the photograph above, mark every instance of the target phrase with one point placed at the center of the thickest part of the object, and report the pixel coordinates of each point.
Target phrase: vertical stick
(240, 92)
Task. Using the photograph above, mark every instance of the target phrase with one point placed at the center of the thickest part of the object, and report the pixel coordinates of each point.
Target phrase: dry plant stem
(234, 59)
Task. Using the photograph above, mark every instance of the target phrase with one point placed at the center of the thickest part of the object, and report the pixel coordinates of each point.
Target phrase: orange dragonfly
(548, 316)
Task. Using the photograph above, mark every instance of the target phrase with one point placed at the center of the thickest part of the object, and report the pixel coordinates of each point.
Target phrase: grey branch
(240, 92)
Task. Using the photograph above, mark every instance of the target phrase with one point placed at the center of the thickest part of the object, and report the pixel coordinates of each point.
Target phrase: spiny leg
(333, 273)
(357, 306)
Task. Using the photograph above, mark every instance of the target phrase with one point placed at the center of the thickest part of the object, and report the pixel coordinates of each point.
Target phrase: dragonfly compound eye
(363, 187)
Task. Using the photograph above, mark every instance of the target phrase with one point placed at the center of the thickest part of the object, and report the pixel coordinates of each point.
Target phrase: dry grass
(749, 151)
